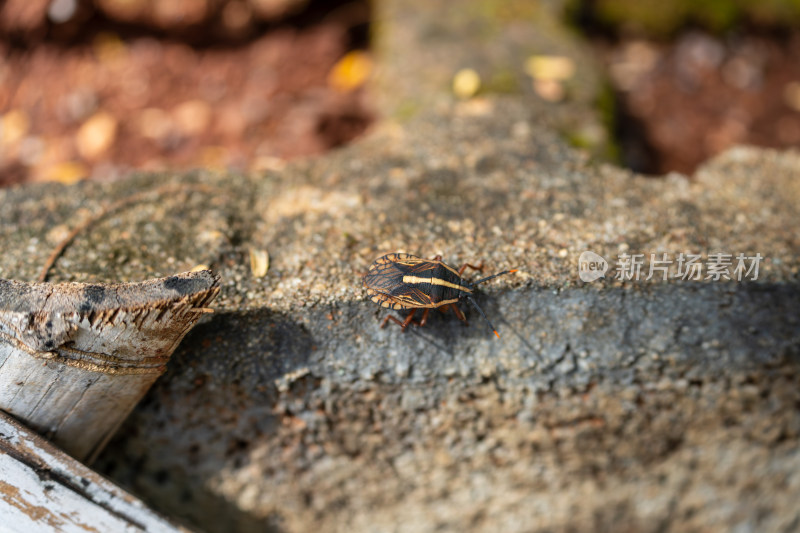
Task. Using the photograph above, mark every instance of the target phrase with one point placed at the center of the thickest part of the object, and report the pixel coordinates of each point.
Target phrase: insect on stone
(404, 281)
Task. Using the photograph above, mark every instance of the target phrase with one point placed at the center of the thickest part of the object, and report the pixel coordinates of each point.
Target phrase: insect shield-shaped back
(404, 281)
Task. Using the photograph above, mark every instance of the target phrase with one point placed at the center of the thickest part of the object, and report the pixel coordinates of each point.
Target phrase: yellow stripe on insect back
(435, 281)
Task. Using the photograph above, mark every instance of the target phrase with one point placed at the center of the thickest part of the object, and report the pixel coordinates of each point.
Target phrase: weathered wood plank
(44, 490)
(75, 358)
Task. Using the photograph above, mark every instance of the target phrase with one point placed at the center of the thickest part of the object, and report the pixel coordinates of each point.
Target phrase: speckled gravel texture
(608, 406)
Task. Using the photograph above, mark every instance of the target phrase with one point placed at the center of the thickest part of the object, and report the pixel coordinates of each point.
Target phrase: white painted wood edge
(42, 489)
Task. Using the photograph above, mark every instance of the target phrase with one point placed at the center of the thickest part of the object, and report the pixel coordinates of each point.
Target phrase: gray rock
(606, 406)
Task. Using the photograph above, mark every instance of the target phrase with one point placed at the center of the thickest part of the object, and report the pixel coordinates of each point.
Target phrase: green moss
(606, 105)
(504, 11)
(576, 140)
(406, 110)
(502, 82)
(784, 13)
(600, 147)
(663, 19)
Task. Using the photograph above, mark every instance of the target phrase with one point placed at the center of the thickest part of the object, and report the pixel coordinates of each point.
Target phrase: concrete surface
(606, 406)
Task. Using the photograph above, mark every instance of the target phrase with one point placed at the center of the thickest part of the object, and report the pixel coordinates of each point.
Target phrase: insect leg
(409, 320)
(404, 324)
(473, 267)
(393, 319)
(424, 318)
(459, 314)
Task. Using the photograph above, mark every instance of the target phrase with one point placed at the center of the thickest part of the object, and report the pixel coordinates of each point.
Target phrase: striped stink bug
(404, 281)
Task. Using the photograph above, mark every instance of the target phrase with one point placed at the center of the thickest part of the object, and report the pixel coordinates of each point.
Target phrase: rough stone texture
(610, 406)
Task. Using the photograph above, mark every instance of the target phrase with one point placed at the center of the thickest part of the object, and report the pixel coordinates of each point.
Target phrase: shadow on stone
(260, 405)
(216, 402)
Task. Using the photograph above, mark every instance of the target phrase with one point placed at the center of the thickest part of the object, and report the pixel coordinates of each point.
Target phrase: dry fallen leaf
(259, 262)
(555, 68)
(96, 135)
(466, 83)
(350, 72)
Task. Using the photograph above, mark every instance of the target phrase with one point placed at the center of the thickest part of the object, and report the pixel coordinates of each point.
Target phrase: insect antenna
(483, 314)
(474, 303)
(493, 276)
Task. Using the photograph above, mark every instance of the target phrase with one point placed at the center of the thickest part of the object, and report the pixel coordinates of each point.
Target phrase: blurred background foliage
(101, 88)
(664, 19)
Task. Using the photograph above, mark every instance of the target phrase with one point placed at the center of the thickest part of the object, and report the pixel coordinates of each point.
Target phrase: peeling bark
(75, 358)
